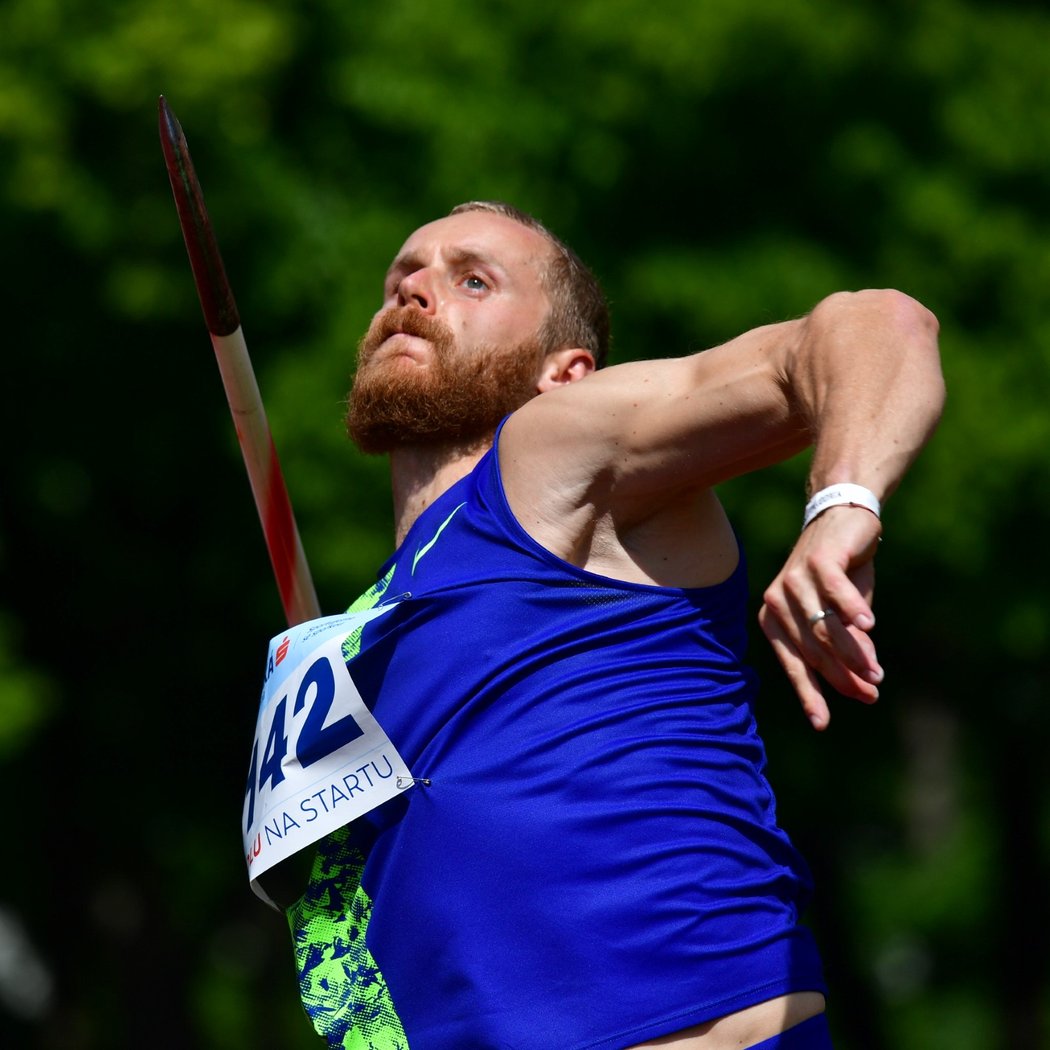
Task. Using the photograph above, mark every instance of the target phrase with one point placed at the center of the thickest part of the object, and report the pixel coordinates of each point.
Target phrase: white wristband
(845, 494)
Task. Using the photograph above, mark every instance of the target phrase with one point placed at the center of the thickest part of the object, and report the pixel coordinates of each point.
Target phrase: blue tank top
(594, 860)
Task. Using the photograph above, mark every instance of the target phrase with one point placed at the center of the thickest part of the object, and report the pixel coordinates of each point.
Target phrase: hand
(831, 569)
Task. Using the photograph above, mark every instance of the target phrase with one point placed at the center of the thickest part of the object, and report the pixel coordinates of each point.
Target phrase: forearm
(865, 377)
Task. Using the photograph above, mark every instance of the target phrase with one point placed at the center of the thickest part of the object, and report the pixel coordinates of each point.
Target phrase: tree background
(721, 165)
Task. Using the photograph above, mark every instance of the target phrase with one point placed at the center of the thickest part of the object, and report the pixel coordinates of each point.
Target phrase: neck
(419, 475)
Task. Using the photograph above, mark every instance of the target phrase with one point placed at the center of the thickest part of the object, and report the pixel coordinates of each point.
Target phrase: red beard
(454, 397)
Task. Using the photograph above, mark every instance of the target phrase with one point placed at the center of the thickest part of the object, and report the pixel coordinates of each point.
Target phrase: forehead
(486, 236)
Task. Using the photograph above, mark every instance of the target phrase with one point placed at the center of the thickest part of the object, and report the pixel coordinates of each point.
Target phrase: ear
(564, 366)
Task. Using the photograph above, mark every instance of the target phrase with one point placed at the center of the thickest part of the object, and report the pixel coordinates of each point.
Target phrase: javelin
(242, 392)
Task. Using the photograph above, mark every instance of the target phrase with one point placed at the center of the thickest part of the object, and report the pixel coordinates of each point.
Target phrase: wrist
(844, 494)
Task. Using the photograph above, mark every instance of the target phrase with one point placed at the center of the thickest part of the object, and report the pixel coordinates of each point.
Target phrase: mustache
(405, 320)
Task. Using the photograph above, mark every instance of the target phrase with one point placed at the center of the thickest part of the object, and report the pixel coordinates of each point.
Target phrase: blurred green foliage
(721, 165)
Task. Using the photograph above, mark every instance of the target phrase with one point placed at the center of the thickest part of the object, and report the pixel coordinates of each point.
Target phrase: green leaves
(27, 697)
(721, 165)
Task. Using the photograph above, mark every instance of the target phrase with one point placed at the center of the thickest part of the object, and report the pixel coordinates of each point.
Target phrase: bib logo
(274, 661)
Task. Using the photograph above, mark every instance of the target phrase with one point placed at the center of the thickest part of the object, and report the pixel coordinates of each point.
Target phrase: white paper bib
(319, 759)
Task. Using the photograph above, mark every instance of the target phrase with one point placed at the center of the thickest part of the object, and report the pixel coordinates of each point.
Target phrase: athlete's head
(475, 321)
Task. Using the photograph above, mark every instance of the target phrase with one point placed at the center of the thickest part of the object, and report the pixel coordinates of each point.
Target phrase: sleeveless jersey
(590, 857)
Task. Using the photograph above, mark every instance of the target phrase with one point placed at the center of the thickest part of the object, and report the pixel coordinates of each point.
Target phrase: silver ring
(822, 615)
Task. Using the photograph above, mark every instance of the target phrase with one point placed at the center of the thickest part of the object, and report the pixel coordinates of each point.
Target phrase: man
(590, 858)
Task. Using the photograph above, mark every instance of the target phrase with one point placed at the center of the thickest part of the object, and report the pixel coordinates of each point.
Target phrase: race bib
(319, 759)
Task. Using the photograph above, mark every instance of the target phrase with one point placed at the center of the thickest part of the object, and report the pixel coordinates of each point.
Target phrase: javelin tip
(213, 288)
(170, 128)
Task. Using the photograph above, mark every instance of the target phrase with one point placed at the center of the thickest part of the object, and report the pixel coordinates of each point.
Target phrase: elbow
(893, 323)
(910, 315)
(883, 315)
(891, 309)
(916, 329)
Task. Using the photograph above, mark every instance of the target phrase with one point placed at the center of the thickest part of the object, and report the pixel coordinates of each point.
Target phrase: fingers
(816, 653)
(817, 578)
(811, 620)
(837, 552)
(817, 612)
(803, 680)
(830, 643)
(845, 656)
(847, 595)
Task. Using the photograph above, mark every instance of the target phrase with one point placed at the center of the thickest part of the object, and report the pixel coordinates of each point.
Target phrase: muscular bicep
(641, 429)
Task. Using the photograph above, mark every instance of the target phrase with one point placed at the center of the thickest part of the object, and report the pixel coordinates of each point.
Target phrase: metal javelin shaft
(242, 391)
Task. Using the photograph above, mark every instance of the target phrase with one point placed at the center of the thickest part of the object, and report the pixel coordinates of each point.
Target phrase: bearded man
(589, 857)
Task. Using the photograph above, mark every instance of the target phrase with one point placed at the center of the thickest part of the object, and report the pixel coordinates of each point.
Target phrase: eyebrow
(456, 257)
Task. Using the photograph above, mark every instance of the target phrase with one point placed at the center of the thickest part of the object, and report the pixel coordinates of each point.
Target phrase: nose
(417, 289)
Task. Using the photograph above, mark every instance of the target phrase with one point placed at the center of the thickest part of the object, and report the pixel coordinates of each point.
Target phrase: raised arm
(859, 377)
(605, 464)
(866, 376)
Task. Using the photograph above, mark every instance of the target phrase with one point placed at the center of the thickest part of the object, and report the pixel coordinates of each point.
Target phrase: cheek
(510, 326)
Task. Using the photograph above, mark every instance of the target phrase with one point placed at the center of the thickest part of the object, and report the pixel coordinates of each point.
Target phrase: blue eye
(474, 283)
